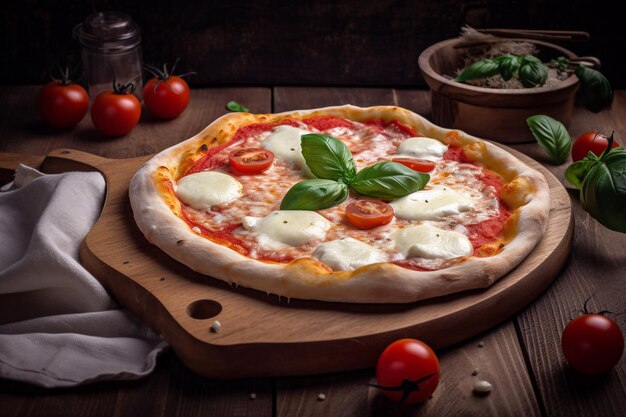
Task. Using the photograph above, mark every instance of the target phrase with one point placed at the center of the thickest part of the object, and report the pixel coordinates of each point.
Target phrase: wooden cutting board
(264, 335)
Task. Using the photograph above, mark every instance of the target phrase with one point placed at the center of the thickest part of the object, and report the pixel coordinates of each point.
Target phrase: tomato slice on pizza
(341, 204)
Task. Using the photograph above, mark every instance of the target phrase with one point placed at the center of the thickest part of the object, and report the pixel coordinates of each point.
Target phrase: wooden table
(521, 357)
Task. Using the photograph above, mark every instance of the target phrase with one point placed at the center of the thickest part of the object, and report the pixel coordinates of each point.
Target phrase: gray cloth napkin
(58, 325)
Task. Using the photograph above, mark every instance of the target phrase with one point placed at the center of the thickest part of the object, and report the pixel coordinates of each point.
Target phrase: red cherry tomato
(115, 113)
(408, 371)
(592, 343)
(420, 165)
(63, 104)
(250, 161)
(591, 141)
(367, 214)
(166, 98)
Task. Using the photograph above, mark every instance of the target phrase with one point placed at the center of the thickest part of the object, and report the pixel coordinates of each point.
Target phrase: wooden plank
(597, 269)
(22, 131)
(500, 360)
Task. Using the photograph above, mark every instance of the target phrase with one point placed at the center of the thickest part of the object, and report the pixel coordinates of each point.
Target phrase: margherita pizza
(366, 205)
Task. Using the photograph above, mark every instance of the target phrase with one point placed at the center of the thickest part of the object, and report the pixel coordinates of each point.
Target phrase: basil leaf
(551, 136)
(388, 180)
(315, 194)
(603, 191)
(532, 74)
(595, 88)
(576, 172)
(234, 106)
(509, 65)
(529, 59)
(328, 157)
(561, 63)
(479, 69)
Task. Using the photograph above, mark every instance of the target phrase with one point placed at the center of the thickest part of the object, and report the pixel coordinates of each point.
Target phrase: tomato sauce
(323, 123)
(455, 154)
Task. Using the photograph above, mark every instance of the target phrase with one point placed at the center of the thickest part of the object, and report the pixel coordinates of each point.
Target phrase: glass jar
(111, 47)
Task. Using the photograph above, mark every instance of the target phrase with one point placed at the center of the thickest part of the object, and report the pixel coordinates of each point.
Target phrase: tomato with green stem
(592, 343)
(407, 371)
(117, 112)
(62, 103)
(166, 95)
(594, 142)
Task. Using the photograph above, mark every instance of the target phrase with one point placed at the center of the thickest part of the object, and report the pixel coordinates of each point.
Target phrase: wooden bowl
(496, 114)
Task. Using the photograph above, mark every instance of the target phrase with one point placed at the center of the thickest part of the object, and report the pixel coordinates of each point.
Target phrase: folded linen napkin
(58, 325)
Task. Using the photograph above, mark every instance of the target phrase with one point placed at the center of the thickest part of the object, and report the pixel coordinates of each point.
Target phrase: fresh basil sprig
(234, 106)
(602, 184)
(508, 65)
(532, 73)
(330, 160)
(551, 136)
(595, 88)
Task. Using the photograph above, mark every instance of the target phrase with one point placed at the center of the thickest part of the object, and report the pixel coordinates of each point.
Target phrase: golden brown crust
(157, 213)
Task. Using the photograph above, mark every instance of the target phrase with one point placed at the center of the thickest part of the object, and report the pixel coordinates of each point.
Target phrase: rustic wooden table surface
(521, 357)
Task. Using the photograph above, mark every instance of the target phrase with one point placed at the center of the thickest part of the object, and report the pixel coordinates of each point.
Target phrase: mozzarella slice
(431, 204)
(284, 142)
(205, 189)
(426, 241)
(422, 148)
(283, 228)
(348, 254)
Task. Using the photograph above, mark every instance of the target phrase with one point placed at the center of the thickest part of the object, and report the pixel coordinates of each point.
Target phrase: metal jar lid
(108, 32)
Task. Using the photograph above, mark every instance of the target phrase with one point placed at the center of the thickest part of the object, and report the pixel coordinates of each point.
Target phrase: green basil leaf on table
(479, 69)
(508, 65)
(315, 194)
(551, 136)
(388, 180)
(532, 74)
(595, 88)
(234, 106)
(327, 157)
(603, 190)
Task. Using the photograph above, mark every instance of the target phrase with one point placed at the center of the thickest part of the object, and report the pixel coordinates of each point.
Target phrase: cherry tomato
(408, 371)
(63, 104)
(166, 95)
(367, 214)
(420, 165)
(117, 112)
(592, 343)
(166, 99)
(591, 141)
(251, 161)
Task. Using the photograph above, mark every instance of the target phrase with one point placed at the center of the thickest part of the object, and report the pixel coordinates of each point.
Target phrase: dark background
(295, 42)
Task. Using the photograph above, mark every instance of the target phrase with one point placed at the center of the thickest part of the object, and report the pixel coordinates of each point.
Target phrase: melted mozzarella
(284, 142)
(348, 254)
(426, 241)
(205, 189)
(422, 148)
(283, 228)
(431, 204)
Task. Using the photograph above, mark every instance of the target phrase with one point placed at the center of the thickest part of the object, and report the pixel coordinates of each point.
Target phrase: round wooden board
(264, 335)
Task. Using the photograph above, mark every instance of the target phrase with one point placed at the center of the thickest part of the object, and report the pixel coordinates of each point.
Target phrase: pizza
(347, 204)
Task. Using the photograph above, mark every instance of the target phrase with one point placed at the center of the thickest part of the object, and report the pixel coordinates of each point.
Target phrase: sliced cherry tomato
(407, 371)
(251, 161)
(63, 103)
(367, 214)
(166, 95)
(592, 343)
(420, 165)
(591, 141)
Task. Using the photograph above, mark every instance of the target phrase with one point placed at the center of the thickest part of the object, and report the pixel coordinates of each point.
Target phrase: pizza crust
(155, 211)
